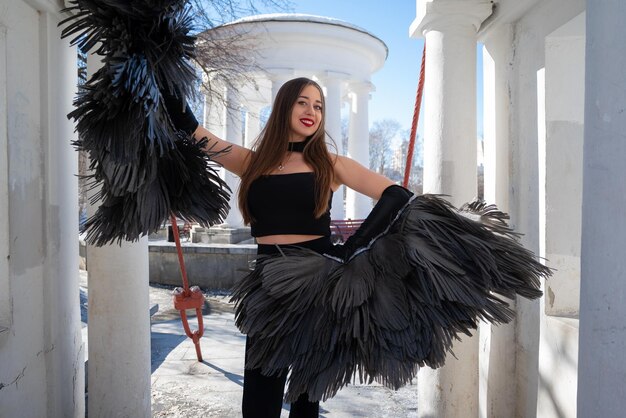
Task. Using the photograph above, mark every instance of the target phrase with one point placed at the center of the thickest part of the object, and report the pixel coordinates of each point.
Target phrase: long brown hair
(273, 143)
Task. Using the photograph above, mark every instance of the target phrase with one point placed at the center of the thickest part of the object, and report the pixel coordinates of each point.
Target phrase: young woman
(286, 190)
(392, 298)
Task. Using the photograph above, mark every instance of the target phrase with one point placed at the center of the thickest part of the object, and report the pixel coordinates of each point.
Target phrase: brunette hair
(273, 143)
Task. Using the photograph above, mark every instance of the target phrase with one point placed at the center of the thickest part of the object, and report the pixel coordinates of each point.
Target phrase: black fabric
(396, 305)
(382, 214)
(285, 204)
(179, 112)
(263, 394)
(319, 245)
(298, 146)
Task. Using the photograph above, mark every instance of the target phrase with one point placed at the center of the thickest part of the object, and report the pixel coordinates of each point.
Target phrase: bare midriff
(286, 239)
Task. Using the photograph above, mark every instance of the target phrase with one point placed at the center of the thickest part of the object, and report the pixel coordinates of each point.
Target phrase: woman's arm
(359, 178)
(236, 160)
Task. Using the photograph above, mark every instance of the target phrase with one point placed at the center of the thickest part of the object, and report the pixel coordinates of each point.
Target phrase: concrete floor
(182, 387)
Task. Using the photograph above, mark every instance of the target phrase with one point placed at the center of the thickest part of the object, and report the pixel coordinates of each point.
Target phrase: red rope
(416, 116)
(187, 298)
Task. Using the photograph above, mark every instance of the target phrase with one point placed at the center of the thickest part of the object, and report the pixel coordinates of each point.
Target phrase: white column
(6, 311)
(119, 326)
(253, 124)
(214, 115)
(358, 206)
(497, 388)
(333, 129)
(62, 329)
(449, 28)
(278, 79)
(233, 133)
(602, 343)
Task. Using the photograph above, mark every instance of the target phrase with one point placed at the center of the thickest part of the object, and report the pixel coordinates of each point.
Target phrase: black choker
(298, 146)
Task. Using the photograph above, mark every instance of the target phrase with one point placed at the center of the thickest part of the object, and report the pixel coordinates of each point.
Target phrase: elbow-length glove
(180, 113)
(380, 218)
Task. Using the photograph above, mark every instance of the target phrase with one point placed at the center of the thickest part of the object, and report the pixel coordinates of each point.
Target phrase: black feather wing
(142, 168)
(397, 305)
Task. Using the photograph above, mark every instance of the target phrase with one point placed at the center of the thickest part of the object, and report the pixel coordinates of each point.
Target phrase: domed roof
(305, 18)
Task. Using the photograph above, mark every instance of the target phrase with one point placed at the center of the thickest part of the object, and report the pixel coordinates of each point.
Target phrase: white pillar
(497, 388)
(602, 343)
(62, 330)
(119, 326)
(333, 129)
(358, 206)
(6, 311)
(233, 133)
(253, 124)
(450, 168)
(278, 79)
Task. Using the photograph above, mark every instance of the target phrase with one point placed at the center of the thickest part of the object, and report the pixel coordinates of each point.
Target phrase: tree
(345, 129)
(224, 53)
(417, 163)
(381, 136)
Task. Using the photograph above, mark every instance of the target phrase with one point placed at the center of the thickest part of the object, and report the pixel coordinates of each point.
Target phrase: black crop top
(284, 204)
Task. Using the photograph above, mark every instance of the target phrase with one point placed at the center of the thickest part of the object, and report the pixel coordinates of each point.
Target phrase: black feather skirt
(394, 306)
(143, 168)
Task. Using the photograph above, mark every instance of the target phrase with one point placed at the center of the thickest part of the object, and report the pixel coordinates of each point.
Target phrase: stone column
(358, 206)
(119, 326)
(497, 389)
(449, 28)
(333, 129)
(253, 124)
(214, 109)
(602, 343)
(64, 351)
(233, 133)
(6, 311)
(278, 79)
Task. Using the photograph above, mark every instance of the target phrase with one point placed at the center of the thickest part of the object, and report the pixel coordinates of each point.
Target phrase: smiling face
(306, 114)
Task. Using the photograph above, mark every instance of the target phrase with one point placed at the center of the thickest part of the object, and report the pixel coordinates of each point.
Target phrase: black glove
(391, 201)
(180, 113)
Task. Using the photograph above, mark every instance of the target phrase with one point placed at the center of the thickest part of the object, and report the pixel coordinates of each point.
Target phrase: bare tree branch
(224, 52)
(381, 136)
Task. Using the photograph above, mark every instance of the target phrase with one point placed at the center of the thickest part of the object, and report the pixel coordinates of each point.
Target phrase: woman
(285, 194)
(392, 298)
(389, 300)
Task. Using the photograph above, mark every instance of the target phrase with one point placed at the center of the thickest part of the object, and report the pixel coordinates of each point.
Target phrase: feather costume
(144, 167)
(395, 305)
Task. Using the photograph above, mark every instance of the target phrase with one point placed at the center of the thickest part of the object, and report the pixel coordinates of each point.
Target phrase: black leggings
(263, 395)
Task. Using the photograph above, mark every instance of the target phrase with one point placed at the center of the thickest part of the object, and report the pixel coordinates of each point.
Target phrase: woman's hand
(235, 160)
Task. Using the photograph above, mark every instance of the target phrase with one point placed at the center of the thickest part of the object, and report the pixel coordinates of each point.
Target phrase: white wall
(529, 33)
(602, 364)
(41, 364)
(6, 317)
(563, 156)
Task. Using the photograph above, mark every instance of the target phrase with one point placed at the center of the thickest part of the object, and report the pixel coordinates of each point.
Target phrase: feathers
(143, 167)
(396, 306)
